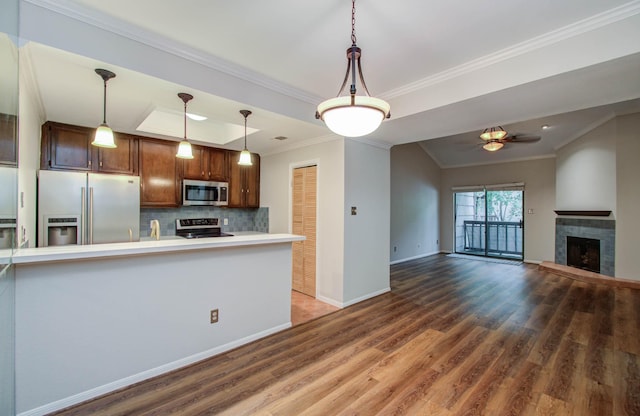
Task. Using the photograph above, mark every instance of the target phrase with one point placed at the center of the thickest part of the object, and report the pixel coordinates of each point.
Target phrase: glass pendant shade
(245, 158)
(184, 150)
(353, 120)
(104, 137)
(493, 145)
(493, 133)
(245, 155)
(104, 134)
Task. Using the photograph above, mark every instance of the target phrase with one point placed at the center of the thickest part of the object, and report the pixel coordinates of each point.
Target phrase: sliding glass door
(489, 222)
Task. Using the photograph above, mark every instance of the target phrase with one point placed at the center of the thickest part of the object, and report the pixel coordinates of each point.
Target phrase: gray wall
(628, 197)
(415, 201)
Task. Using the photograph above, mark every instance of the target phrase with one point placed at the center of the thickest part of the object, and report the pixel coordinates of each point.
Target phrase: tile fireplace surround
(603, 230)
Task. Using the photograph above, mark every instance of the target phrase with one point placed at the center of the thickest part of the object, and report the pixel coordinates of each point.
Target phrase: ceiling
(448, 71)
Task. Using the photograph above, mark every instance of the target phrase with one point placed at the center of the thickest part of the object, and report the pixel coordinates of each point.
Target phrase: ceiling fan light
(356, 119)
(104, 137)
(493, 133)
(493, 145)
(245, 158)
(184, 150)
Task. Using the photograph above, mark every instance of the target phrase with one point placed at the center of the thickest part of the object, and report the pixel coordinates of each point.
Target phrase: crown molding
(102, 21)
(583, 26)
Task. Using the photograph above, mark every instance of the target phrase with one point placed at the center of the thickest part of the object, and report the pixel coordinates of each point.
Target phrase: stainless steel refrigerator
(87, 208)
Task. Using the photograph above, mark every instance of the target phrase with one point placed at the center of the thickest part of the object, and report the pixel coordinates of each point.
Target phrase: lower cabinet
(159, 173)
(244, 182)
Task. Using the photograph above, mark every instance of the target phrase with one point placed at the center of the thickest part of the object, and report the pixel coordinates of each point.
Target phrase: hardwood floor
(453, 337)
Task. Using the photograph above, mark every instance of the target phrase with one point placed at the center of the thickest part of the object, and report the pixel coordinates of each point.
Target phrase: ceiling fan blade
(521, 138)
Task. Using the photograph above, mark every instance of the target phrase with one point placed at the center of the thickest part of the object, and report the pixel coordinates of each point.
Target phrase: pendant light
(184, 149)
(493, 133)
(245, 155)
(353, 115)
(104, 134)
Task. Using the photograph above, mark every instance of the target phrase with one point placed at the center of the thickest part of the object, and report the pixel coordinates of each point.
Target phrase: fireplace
(583, 253)
(593, 235)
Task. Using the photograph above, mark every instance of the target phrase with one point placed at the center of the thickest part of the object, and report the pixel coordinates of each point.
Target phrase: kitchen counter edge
(81, 252)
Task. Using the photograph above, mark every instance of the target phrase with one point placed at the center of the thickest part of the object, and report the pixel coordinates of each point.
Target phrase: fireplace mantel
(582, 213)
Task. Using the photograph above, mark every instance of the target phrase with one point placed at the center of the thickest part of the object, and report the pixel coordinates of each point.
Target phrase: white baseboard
(365, 297)
(127, 381)
(341, 305)
(532, 261)
(416, 257)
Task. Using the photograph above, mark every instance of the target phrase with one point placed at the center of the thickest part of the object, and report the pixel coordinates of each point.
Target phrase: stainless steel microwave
(196, 192)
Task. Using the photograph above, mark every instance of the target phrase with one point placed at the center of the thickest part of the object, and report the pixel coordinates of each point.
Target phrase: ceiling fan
(496, 137)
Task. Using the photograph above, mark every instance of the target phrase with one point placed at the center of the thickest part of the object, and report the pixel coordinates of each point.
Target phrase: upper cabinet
(8, 147)
(67, 147)
(123, 159)
(159, 173)
(208, 163)
(244, 182)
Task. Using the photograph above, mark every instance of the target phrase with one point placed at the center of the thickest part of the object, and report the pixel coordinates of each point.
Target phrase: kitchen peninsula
(91, 319)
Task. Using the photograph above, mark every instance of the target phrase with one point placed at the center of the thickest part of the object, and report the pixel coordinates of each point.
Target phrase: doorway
(490, 223)
(304, 201)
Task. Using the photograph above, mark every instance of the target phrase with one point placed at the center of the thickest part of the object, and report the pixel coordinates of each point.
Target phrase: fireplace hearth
(583, 253)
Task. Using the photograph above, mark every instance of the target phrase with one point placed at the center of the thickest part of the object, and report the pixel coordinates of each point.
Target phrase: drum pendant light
(353, 115)
(104, 134)
(245, 155)
(184, 149)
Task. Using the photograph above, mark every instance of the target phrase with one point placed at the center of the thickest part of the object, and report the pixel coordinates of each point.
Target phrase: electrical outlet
(225, 221)
(354, 210)
(395, 248)
(214, 316)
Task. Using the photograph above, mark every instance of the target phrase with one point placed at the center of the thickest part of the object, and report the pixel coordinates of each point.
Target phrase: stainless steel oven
(196, 192)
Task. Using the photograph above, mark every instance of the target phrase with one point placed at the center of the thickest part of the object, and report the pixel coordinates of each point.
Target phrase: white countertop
(146, 246)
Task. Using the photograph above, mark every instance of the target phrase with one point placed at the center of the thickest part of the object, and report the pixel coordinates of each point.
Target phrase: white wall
(628, 197)
(88, 327)
(275, 193)
(31, 119)
(539, 195)
(586, 171)
(415, 203)
(366, 234)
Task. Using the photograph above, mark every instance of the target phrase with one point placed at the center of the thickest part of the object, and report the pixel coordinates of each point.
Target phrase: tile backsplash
(240, 219)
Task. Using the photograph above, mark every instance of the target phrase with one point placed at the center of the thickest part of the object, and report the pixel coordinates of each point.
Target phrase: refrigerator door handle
(91, 215)
(83, 219)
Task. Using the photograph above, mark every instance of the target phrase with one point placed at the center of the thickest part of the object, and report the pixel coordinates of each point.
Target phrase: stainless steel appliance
(196, 192)
(199, 228)
(87, 208)
(8, 206)
(7, 232)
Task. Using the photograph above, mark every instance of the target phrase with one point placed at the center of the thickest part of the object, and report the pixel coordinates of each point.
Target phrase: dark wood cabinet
(122, 160)
(67, 147)
(208, 164)
(244, 182)
(8, 140)
(159, 173)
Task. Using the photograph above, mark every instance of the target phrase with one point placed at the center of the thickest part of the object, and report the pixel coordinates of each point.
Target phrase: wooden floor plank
(453, 337)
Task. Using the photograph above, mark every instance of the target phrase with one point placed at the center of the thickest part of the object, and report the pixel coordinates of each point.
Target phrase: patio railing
(502, 237)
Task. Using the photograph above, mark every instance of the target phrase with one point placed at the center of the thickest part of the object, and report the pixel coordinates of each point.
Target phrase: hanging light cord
(245, 133)
(104, 103)
(185, 120)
